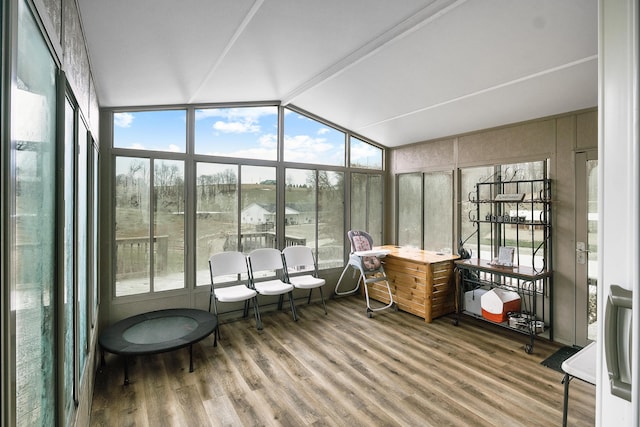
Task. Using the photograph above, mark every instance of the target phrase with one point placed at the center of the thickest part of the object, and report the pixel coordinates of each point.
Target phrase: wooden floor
(344, 369)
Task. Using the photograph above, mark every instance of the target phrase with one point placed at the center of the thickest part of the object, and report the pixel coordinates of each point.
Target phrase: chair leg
(322, 298)
(565, 381)
(293, 307)
(245, 312)
(256, 311)
(309, 298)
(217, 331)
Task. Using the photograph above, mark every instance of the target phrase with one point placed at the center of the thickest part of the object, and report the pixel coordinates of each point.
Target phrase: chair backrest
(227, 263)
(265, 259)
(360, 240)
(298, 259)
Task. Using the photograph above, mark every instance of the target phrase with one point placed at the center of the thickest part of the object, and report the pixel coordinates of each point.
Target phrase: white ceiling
(395, 71)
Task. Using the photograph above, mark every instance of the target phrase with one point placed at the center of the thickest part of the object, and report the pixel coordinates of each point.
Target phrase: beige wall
(556, 138)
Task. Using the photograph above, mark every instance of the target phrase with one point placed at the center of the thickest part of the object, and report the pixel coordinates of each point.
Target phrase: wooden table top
(417, 255)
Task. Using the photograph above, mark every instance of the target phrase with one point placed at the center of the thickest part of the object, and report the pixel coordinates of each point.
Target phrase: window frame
(191, 159)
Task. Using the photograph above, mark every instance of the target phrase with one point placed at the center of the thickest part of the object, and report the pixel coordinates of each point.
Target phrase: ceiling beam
(416, 21)
(236, 35)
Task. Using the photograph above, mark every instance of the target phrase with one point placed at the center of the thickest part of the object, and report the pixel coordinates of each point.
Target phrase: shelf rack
(516, 214)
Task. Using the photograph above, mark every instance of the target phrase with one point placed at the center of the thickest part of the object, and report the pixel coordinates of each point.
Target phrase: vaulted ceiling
(395, 71)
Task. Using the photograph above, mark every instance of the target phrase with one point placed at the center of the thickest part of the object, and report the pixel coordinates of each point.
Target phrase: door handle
(582, 253)
(618, 297)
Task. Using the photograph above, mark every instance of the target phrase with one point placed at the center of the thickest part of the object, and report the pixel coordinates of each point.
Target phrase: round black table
(157, 332)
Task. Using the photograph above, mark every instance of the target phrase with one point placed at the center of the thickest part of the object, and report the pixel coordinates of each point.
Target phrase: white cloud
(237, 114)
(236, 127)
(307, 149)
(122, 120)
(250, 153)
(322, 131)
(268, 141)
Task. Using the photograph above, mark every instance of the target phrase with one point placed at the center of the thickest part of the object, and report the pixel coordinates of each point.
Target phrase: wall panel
(556, 138)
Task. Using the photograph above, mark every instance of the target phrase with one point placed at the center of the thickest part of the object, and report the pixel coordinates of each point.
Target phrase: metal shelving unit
(515, 214)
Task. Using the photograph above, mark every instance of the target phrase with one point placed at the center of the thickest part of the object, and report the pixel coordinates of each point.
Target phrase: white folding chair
(301, 270)
(228, 269)
(369, 263)
(266, 271)
(581, 365)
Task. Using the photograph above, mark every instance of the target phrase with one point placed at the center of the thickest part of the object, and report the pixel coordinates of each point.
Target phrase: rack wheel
(369, 314)
(455, 322)
(395, 307)
(528, 348)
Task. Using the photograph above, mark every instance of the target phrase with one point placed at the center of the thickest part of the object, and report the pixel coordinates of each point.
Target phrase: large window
(224, 182)
(141, 242)
(257, 208)
(425, 211)
(438, 211)
(307, 140)
(364, 155)
(314, 206)
(216, 213)
(32, 230)
(150, 130)
(242, 132)
(169, 225)
(132, 227)
(69, 258)
(150, 201)
(530, 238)
(367, 194)
(410, 210)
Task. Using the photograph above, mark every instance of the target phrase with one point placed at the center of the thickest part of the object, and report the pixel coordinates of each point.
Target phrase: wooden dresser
(422, 282)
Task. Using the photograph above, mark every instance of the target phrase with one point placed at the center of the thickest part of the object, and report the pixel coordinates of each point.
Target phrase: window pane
(364, 155)
(529, 238)
(410, 210)
(216, 214)
(359, 202)
(151, 130)
(300, 208)
(438, 211)
(69, 244)
(331, 234)
(81, 246)
(374, 211)
(310, 141)
(95, 225)
(468, 179)
(366, 205)
(247, 132)
(32, 227)
(258, 214)
(168, 242)
(132, 226)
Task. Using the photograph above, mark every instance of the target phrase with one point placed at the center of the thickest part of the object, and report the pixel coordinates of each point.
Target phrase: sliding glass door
(31, 233)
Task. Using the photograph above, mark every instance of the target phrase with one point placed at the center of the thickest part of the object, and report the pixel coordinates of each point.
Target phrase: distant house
(257, 213)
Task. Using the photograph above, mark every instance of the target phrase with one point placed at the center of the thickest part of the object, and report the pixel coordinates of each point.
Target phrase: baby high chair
(368, 261)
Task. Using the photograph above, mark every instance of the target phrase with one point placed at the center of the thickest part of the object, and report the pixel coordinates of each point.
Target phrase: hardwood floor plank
(221, 412)
(191, 407)
(345, 369)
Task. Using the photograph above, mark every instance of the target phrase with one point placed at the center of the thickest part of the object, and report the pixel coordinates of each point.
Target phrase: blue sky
(248, 132)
